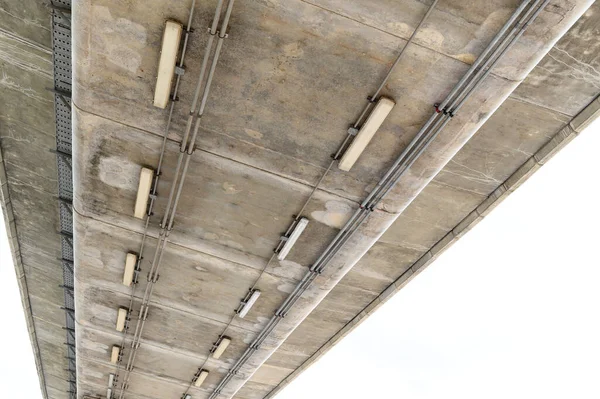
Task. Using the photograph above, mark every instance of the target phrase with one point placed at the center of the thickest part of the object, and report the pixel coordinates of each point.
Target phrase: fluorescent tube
(222, 345)
(121, 316)
(291, 240)
(366, 133)
(109, 393)
(111, 380)
(248, 305)
(201, 377)
(114, 354)
(166, 65)
(141, 202)
(130, 262)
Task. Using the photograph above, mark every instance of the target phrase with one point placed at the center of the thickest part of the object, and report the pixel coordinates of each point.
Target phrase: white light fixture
(130, 262)
(166, 65)
(114, 354)
(365, 134)
(291, 240)
(248, 304)
(221, 346)
(201, 377)
(141, 202)
(109, 393)
(188, 396)
(121, 317)
(111, 379)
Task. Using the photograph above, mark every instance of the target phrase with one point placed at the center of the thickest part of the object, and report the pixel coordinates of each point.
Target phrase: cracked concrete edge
(11, 232)
(528, 168)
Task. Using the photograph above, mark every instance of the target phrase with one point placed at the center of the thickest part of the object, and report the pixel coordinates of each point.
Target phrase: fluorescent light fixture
(166, 65)
(111, 379)
(141, 202)
(291, 240)
(109, 393)
(201, 377)
(221, 346)
(130, 262)
(365, 134)
(121, 316)
(114, 354)
(253, 297)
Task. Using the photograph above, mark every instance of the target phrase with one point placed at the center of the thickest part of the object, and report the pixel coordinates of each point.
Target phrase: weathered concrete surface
(28, 179)
(291, 78)
(293, 75)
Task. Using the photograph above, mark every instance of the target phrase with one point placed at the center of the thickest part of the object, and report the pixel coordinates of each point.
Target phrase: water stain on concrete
(336, 214)
(118, 173)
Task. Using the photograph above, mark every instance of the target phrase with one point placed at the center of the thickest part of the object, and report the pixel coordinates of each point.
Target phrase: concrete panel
(27, 19)
(53, 358)
(215, 187)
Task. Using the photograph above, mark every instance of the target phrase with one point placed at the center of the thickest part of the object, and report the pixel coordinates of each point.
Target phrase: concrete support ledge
(11, 232)
(559, 141)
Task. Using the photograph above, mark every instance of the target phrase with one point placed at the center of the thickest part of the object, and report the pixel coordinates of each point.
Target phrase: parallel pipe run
(431, 129)
(456, 104)
(155, 186)
(186, 150)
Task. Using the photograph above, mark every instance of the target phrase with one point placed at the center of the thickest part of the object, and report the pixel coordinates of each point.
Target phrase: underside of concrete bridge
(263, 105)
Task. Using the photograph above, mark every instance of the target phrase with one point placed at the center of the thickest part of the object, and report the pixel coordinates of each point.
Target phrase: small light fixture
(187, 396)
(365, 134)
(111, 380)
(121, 317)
(130, 262)
(109, 393)
(221, 346)
(114, 354)
(141, 202)
(201, 377)
(248, 303)
(291, 240)
(166, 65)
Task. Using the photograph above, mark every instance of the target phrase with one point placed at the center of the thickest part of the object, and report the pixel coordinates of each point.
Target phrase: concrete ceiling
(292, 77)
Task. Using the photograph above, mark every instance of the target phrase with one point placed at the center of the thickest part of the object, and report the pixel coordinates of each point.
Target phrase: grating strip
(61, 46)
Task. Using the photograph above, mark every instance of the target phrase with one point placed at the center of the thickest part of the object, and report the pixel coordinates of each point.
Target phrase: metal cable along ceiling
(61, 59)
(510, 33)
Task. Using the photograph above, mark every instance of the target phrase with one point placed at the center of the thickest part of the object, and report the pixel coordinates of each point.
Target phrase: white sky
(509, 311)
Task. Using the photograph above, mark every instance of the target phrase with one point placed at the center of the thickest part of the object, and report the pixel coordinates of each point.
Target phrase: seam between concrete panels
(11, 232)
(560, 140)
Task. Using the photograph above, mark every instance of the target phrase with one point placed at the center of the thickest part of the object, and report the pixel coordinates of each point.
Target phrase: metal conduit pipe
(157, 174)
(385, 184)
(190, 121)
(186, 148)
(428, 133)
(362, 215)
(444, 104)
(495, 40)
(506, 49)
(483, 73)
(506, 44)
